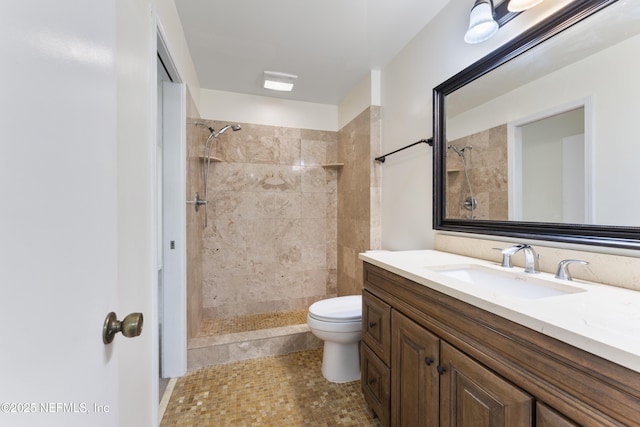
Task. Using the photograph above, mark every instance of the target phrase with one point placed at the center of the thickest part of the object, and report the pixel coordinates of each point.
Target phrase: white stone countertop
(603, 320)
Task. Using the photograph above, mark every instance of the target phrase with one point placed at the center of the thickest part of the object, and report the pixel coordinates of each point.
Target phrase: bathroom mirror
(539, 139)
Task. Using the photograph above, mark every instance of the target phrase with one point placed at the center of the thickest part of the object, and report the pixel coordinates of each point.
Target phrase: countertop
(603, 320)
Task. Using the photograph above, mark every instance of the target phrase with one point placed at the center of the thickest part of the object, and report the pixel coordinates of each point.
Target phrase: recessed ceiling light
(276, 80)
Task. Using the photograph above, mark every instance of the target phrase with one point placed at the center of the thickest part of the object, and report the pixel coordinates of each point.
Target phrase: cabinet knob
(441, 369)
(428, 361)
(371, 380)
(372, 324)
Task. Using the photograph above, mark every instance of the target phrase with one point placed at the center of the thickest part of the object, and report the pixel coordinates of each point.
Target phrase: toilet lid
(340, 309)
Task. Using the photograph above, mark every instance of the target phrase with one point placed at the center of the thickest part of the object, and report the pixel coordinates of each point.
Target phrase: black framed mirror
(498, 167)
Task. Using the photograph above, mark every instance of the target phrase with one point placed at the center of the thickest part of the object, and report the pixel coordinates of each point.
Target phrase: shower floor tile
(252, 322)
(286, 390)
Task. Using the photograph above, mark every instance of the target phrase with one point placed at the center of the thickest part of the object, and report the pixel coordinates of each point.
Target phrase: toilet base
(341, 362)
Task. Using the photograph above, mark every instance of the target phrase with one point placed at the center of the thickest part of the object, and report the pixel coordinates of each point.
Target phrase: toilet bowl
(338, 322)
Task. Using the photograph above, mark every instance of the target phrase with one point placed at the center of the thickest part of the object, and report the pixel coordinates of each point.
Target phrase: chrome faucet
(530, 257)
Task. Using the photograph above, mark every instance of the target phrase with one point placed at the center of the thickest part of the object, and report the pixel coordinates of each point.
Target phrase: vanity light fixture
(482, 25)
(521, 5)
(276, 80)
(485, 20)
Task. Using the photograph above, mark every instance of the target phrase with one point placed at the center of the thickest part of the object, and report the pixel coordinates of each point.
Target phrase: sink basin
(505, 283)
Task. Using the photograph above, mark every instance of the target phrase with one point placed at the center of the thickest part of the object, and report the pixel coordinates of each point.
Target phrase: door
(69, 251)
(172, 236)
(473, 396)
(415, 380)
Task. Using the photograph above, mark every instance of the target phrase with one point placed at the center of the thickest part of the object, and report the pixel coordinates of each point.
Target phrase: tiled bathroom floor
(252, 322)
(287, 390)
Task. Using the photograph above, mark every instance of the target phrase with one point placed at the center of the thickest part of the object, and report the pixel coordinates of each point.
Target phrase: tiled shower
(271, 241)
(289, 210)
(486, 158)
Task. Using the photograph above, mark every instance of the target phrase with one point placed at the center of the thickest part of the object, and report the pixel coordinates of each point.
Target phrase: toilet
(338, 322)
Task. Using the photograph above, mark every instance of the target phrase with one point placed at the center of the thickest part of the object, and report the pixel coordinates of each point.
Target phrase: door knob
(130, 326)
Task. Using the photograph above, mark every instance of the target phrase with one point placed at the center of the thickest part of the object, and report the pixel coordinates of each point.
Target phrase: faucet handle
(506, 258)
(563, 268)
(506, 254)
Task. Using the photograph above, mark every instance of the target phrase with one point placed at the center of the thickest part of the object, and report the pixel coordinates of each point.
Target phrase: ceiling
(331, 45)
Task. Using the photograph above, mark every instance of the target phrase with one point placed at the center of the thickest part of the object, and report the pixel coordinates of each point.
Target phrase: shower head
(213, 133)
(234, 127)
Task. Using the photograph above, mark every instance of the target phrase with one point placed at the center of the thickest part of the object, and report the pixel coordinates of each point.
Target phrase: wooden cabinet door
(473, 396)
(414, 377)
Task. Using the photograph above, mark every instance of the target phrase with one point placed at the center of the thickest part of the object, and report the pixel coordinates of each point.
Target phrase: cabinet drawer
(376, 326)
(376, 384)
(547, 417)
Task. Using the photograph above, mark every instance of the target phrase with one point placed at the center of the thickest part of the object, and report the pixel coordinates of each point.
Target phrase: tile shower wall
(270, 244)
(195, 220)
(358, 197)
(487, 168)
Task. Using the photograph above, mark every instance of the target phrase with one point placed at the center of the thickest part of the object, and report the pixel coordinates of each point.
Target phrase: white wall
(613, 133)
(365, 94)
(177, 44)
(136, 177)
(435, 54)
(137, 260)
(262, 110)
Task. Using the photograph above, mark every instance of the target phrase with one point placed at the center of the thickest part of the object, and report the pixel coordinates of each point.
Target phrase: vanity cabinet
(376, 355)
(415, 382)
(432, 360)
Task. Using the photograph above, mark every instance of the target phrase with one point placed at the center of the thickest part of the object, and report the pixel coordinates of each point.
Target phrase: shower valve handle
(197, 201)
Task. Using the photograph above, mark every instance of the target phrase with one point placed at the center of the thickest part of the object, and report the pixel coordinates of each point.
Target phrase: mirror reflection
(552, 136)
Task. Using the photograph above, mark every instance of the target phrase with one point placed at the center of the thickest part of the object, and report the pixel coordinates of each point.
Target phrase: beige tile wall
(487, 169)
(358, 197)
(270, 244)
(195, 220)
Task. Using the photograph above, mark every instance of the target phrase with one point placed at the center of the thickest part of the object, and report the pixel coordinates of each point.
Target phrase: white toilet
(338, 322)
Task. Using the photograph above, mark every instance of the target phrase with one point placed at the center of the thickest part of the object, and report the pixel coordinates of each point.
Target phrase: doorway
(550, 166)
(170, 208)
